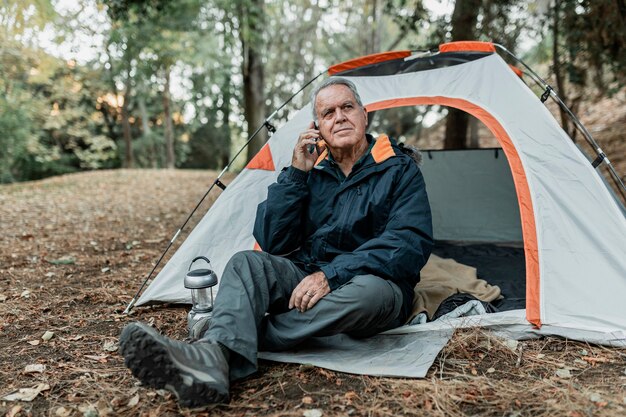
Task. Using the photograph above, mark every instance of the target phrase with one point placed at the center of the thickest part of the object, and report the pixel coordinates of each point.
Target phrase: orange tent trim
(529, 229)
(262, 160)
(516, 70)
(367, 60)
(467, 46)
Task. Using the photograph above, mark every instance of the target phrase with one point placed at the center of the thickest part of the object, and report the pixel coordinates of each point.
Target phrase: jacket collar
(380, 151)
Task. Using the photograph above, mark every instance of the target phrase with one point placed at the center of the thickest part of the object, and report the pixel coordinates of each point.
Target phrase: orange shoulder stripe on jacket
(382, 149)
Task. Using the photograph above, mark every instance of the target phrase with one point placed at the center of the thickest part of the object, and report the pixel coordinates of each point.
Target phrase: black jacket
(376, 221)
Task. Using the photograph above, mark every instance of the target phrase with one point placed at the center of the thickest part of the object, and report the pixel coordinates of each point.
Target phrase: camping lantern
(201, 283)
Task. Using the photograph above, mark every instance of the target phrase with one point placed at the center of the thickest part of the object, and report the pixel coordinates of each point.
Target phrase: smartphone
(312, 147)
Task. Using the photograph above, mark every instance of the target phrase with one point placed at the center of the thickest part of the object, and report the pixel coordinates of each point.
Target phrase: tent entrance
(475, 207)
(476, 217)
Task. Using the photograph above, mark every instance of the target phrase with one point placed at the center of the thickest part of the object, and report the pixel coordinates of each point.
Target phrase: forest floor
(74, 250)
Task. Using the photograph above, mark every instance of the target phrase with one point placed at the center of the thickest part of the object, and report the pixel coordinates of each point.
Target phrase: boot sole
(150, 361)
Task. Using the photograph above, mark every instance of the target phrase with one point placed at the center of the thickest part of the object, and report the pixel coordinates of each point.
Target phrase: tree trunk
(129, 160)
(251, 34)
(170, 157)
(147, 131)
(464, 19)
(556, 66)
(373, 41)
(474, 139)
(227, 133)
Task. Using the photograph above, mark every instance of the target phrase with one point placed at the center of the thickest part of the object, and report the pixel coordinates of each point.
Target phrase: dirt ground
(74, 250)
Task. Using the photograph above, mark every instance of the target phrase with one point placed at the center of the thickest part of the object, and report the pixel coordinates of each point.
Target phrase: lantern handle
(199, 257)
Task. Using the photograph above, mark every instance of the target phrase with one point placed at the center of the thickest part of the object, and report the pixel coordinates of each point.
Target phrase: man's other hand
(309, 291)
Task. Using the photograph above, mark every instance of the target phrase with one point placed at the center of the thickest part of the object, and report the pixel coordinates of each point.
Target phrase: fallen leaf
(65, 260)
(103, 408)
(49, 274)
(33, 342)
(314, 412)
(154, 240)
(62, 412)
(428, 405)
(34, 368)
(14, 411)
(595, 397)
(351, 395)
(47, 335)
(99, 358)
(563, 373)
(307, 400)
(163, 392)
(541, 355)
(593, 360)
(491, 370)
(3, 298)
(25, 294)
(110, 346)
(26, 394)
(511, 344)
(88, 410)
(133, 401)
(106, 269)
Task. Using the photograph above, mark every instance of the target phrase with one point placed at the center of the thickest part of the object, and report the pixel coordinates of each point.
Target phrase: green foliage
(58, 116)
(15, 134)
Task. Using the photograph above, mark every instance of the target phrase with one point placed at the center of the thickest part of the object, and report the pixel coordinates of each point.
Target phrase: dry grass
(110, 227)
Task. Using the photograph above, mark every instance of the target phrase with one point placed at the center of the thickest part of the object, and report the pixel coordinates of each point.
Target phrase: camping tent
(545, 193)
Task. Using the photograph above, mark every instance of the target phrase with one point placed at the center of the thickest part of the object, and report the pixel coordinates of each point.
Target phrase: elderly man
(345, 231)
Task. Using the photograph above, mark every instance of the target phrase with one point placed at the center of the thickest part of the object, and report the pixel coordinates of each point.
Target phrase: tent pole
(266, 123)
(600, 155)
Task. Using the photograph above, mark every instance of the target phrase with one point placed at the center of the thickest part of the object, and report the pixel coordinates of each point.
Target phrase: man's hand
(302, 158)
(309, 291)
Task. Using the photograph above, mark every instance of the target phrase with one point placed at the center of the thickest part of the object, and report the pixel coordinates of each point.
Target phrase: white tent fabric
(574, 231)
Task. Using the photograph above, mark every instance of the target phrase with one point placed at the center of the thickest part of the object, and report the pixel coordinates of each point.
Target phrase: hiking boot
(196, 373)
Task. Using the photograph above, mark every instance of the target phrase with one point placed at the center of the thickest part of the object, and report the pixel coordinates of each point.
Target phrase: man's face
(341, 120)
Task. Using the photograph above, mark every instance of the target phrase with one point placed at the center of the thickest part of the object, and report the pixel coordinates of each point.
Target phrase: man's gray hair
(334, 81)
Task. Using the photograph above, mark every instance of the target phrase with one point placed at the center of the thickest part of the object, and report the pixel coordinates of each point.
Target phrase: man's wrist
(297, 174)
(330, 274)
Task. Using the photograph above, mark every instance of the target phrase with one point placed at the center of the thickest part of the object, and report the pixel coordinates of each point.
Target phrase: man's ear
(365, 110)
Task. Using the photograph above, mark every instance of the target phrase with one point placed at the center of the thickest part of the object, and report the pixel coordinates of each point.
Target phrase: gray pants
(255, 283)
